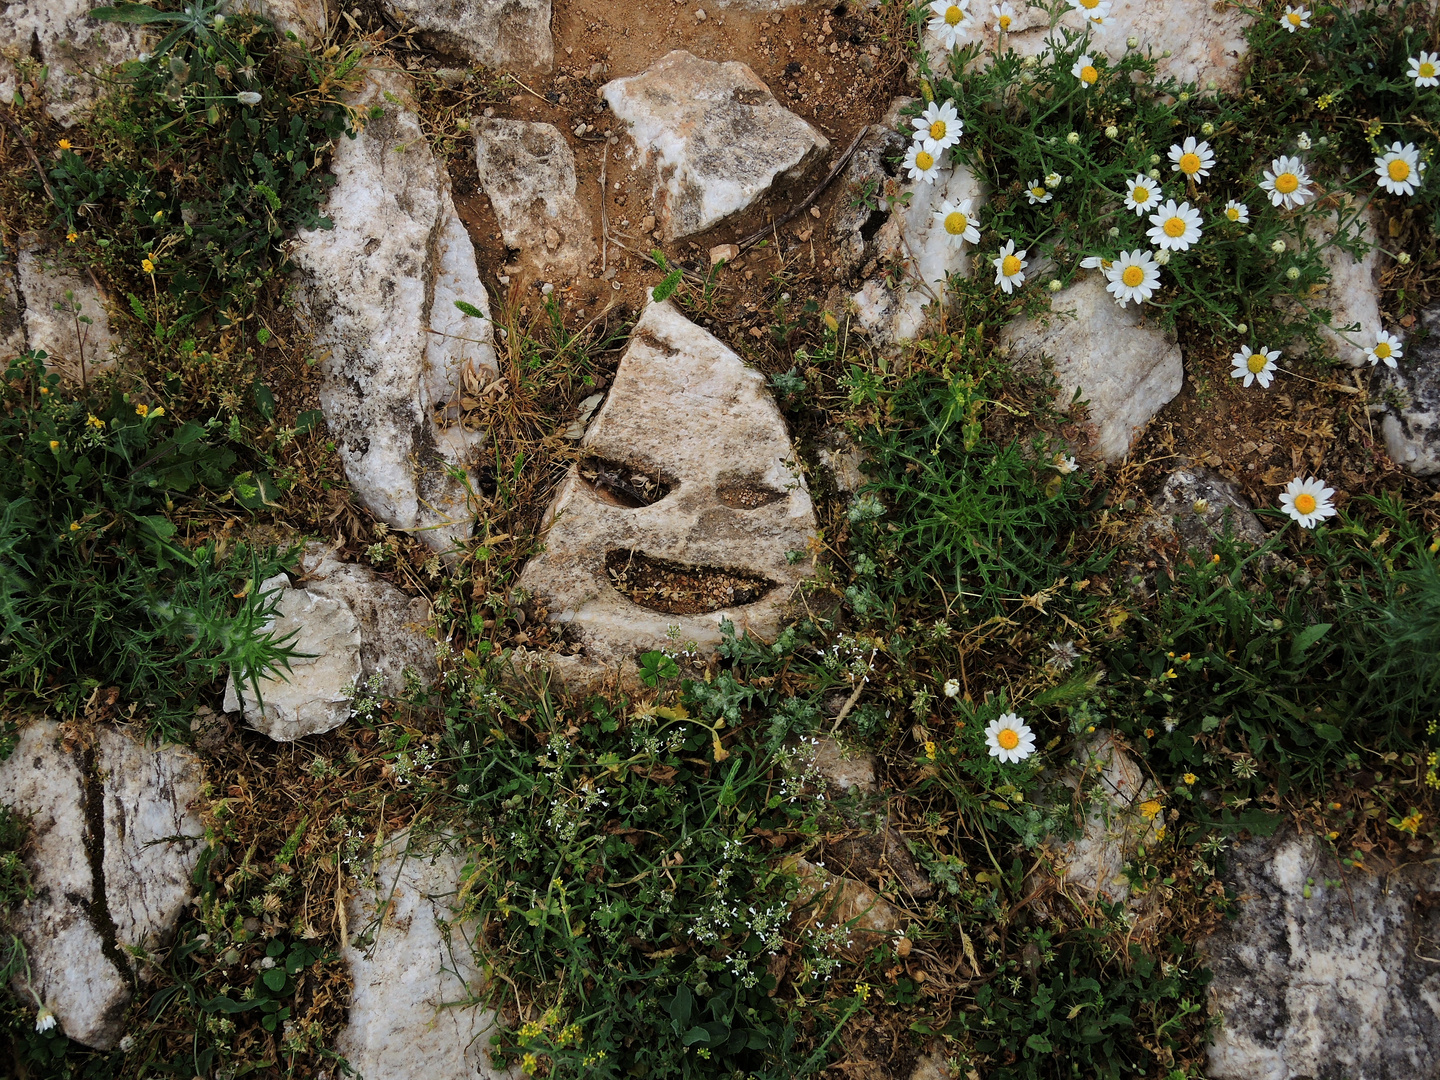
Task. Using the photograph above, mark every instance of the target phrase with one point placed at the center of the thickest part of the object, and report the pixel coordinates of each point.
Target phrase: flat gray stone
(401, 363)
(415, 979)
(1198, 506)
(687, 414)
(65, 316)
(716, 136)
(1410, 396)
(1126, 370)
(1343, 984)
(504, 35)
(527, 170)
(60, 36)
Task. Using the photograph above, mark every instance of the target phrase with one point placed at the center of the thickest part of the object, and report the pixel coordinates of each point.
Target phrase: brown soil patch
(678, 589)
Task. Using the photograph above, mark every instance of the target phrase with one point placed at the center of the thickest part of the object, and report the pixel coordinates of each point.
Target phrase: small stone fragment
(64, 316)
(1198, 506)
(724, 253)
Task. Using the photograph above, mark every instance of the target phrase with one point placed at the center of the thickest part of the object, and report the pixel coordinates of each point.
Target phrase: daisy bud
(1277, 246)
(1132, 42)
(219, 20)
(1324, 140)
(1028, 62)
(1303, 142)
(1165, 55)
(1184, 95)
(1162, 257)
(248, 97)
(1114, 231)
(1073, 138)
(1154, 159)
(1054, 285)
(1112, 132)
(1293, 273)
(1211, 84)
(1242, 328)
(1304, 91)
(1207, 129)
(1403, 258)
(952, 687)
(1154, 174)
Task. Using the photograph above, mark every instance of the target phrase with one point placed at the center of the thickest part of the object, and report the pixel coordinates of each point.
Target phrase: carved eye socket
(624, 485)
(680, 588)
(748, 494)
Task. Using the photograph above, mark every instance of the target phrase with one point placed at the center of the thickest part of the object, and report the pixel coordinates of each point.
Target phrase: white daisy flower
(1307, 501)
(1009, 267)
(1176, 226)
(1425, 69)
(1237, 213)
(923, 161)
(952, 687)
(939, 124)
(44, 1019)
(1094, 262)
(1066, 465)
(1287, 182)
(1037, 192)
(1255, 365)
(1134, 276)
(1085, 71)
(1399, 169)
(1295, 18)
(950, 22)
(1192, 158)
(958, 223)
(1387, 349)
(1004, 16)
(1094, 10)
(1141, 194)
(1009, 738)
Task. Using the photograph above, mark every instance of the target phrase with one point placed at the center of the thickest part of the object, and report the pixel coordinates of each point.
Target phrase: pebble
(700, 14)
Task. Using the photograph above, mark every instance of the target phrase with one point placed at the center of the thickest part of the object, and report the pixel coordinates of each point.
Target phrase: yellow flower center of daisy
(1233, 213)
(1427, 71)
(1008, 738)
(1038, 192)
(956, 223)
(1090, 5)
(953, 15)
(1294, 18)
(1132, 276)
(1004, 22)
(1088, 74)
(1305, 503)
(1140, 195)
(924, 160)
(937, 129)
(1382, 350)
(1286, 182)
(1398, 170)
(1175, 227)
(1189, 164)
(1256, 363)
(1010, 266)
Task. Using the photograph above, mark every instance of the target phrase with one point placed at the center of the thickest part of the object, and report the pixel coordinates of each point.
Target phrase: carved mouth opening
(624, 485)
(748, 495)
(681, 589)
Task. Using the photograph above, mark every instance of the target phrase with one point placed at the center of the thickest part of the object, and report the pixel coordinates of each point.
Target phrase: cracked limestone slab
(1339, 983)
(306, 19)
(415, 981)
(64, 315)
(527, 170)
(1411, 393)
(505, 35)
(716, 136)
(149, 842)
(61, 37)
(399, 358)
(1126, 369)
(685, 412)
(1206, 41)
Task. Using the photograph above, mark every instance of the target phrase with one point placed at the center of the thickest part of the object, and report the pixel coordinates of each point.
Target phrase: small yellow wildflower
(54, 444)
(71, 236)
(1334, 835)
(1170, 674)
(44, 390)
(141, 410)
(64, 144)
(530, 1030)
(1189, 778)
(74, 526)
(1324, 101)
(94, 421)
(148, 265)
(528, 1064)
(1149, 809)
(930, 749)
(1411, 823)
(159, 410)
(863, 989)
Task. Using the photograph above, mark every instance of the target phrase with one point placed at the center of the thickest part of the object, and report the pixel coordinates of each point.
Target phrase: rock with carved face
(684, 506)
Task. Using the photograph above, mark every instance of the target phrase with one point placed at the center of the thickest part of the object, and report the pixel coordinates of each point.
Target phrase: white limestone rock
(717, 137)
(1125, 369)
(306, 19)
(1410, 396)
(1197, 506)
(1116, 821)
(506, 35)
(12, 319)
(413, 972)
(684, 415)
(527, 170)
(1352, 295)
(1205, 44)
(397, 352)
(76, 936)
(314, 694)
(1342, 983)
(65, 316)
(59, 35)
